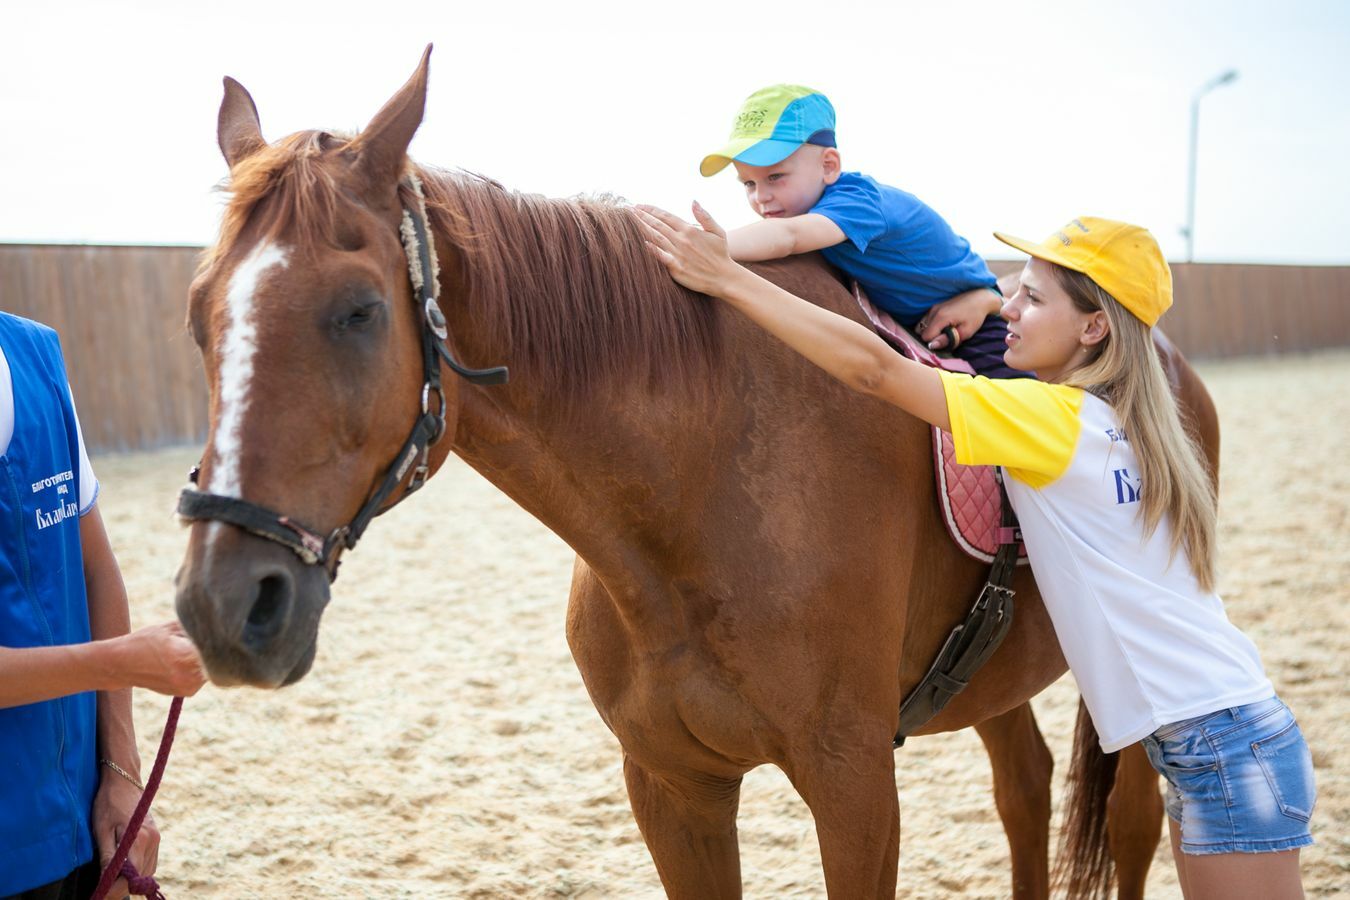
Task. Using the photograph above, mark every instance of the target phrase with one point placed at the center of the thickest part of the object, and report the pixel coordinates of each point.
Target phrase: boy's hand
(963, 314)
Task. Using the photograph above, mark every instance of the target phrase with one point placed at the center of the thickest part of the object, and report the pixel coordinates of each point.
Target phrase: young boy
(905, 255)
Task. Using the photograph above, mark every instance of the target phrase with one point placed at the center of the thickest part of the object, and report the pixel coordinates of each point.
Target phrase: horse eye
(359, 317)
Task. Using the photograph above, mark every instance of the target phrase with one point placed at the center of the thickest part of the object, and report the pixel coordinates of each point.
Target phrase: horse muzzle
(250, 605)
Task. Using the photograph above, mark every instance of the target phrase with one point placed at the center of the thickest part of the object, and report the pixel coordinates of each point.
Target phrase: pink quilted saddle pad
(971, 508)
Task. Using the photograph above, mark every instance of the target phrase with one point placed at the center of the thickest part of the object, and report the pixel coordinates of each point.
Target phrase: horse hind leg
(1134, 820)
(1022, 767)
(689, 825)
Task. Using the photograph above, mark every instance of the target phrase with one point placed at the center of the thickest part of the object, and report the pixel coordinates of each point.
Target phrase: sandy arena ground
(443, 745)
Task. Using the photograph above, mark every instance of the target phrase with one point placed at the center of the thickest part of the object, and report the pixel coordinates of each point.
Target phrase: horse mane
(567, 286)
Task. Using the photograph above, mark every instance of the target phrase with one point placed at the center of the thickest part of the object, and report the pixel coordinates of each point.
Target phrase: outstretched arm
(697, 258)
(777, 238)
(158, 657)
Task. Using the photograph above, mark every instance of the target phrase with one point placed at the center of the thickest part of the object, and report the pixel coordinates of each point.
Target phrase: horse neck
(610, 355)
(597, 468)
(647, 482)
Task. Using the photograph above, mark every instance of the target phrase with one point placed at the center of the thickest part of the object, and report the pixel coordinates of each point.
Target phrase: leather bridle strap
(307, 543)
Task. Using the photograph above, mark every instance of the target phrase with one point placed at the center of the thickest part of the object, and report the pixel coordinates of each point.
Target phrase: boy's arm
(777, 238)
(853, 354)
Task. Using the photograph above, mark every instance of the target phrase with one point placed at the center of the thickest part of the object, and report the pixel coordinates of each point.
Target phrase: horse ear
(237, 128)
(382, 148)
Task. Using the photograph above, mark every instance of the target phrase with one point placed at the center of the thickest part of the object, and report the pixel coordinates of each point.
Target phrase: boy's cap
(772, 124)
(1124, 260)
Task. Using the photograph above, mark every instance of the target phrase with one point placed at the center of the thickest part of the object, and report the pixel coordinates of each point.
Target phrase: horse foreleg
(689, 824)
(853, 800)
(1022, 767)
(1134, 820)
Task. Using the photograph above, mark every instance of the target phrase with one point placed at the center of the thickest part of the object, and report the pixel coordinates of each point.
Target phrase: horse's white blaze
(236, 366)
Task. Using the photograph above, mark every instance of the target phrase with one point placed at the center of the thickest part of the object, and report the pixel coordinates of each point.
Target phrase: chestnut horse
(761, 572)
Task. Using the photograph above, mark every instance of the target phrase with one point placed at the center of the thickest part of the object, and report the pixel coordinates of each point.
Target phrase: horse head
(313, 340)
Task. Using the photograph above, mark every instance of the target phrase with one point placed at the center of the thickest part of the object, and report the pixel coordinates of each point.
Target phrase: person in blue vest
(69, 768)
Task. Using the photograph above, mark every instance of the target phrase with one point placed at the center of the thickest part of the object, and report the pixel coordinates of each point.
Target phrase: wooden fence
(134, 371)
(138, 381)
(1239, 310)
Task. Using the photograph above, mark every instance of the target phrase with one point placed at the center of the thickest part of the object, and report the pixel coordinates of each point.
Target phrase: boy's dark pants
(985, 348)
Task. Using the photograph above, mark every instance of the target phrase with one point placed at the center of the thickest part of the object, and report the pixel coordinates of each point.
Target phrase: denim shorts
(1239, 780)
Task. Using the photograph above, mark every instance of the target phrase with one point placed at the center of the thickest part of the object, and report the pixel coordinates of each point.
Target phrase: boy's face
(791, 187)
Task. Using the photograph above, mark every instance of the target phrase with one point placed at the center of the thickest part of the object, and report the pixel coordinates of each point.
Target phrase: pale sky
(1015, 116)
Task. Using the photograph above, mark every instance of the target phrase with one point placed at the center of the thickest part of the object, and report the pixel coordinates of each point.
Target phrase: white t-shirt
(88, 483)
(1147, 646)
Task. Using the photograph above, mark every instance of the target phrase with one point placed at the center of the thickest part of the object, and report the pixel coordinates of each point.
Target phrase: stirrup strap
(971, 643)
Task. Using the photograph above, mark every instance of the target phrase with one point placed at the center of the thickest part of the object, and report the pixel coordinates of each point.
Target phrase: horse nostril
(268, 615)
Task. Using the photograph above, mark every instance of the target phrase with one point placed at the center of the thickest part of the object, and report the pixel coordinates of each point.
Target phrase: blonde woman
(1118, 515)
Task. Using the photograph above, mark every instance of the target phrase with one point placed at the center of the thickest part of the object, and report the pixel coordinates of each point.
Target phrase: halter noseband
(312, 548)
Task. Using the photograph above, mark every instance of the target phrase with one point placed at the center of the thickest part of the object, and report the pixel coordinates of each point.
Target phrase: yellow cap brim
(1040, 250)
(712, 164)
(716, 162)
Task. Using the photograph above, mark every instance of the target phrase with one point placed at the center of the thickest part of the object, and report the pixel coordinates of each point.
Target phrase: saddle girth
(971, 643)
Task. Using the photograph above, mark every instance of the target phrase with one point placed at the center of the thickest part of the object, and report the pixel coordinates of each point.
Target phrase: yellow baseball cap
(1124, 260)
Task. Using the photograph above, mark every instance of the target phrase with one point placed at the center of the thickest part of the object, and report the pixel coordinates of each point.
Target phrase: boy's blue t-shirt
(901, 251)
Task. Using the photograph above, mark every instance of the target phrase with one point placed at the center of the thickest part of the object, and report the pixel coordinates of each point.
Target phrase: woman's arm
(697, 258)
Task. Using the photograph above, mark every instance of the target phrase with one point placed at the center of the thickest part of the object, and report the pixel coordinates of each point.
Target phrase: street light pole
(1189, 229)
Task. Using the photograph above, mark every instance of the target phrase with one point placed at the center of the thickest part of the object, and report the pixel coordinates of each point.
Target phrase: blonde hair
(1124, 370)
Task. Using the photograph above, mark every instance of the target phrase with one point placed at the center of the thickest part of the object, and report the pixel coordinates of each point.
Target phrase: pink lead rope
(118, 866)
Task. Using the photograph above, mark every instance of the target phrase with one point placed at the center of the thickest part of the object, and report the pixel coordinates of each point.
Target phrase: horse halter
(306, 543)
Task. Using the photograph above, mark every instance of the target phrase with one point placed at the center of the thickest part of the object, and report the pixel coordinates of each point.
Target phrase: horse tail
(1084, 869)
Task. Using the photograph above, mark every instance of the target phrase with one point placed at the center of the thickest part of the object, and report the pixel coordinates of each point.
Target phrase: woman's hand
(696, 256)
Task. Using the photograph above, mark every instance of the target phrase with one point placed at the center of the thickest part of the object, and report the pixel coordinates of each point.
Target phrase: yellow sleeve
(1027, 426)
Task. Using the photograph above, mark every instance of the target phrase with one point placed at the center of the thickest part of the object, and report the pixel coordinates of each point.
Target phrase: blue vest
(48, 764)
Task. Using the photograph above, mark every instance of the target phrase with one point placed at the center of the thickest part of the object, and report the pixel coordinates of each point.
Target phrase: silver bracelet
(123, 772)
